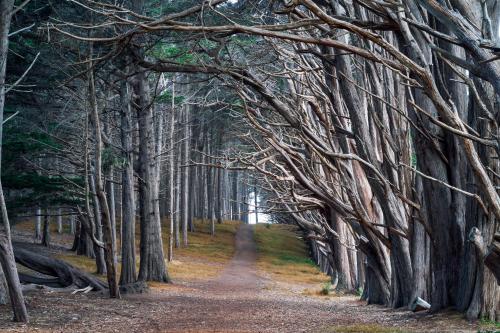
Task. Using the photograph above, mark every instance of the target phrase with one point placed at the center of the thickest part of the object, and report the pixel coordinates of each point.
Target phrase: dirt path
(240, 275)
(239, 300)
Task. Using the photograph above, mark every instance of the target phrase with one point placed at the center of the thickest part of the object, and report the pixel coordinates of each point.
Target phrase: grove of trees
(372, 125)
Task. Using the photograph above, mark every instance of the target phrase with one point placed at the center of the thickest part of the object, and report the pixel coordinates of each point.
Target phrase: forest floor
(263, 288)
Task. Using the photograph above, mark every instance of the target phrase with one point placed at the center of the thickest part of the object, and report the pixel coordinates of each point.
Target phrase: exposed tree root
(64, 274)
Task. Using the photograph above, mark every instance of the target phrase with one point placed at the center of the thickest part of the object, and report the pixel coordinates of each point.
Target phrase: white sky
(251, 217)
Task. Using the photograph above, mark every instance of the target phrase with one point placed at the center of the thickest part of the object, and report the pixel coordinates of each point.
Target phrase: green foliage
(110, 158)
(326, 289)
(414, 160)
(290, 258)
(32, 189)
(157, 8)
(488, 325)
(23, 183)
(166, 98)
(18, 142)
(207, 44)
(180, 55)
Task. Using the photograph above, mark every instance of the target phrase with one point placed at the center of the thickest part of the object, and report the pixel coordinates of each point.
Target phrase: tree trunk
(128, 260)
(72, 224)
(110, 191)
(98, 251)
(256, 202)
(177, 196)
(84, 244)
(46, 229)
(340, 254)
(66, 275)
(109, 244)
(59, 221)
(235, 204)
(185, 176)
(171, 175)
(38, 224)
(152, 264)
(11, 276)
(6, 255)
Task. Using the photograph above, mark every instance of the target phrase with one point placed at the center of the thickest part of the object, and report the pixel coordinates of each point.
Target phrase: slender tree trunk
(46, 229)
(235, 211)
(128, 260)
(59, 221)
(177, 196)
(98, 251)
(205, 202)
(110, 191)
(256, 201)
(210, 192)
(110, 245)
(171, 172)
(185, 176)
(72, 224)
(220, 197)
(6, 255)
(192, 203)
(38, 224)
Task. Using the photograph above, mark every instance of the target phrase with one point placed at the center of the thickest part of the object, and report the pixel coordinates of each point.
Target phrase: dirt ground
(240, 299)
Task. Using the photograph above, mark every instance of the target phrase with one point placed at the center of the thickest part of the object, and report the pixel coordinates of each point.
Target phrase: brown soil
(239, 300)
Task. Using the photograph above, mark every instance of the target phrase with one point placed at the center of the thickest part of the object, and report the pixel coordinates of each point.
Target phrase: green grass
(284, 255)
(289, 258)
(487, 325)
(326, 289)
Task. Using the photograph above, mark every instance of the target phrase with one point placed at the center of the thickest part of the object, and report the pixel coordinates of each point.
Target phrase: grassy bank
(283, 255)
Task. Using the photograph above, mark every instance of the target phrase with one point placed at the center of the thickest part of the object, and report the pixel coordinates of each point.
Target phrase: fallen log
(64, 274)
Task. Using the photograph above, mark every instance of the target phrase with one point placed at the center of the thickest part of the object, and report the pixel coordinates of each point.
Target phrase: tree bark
(152, 264)
(109, 241)
(6, 255)
(128, 260)
(185, 176)
(59, 221)
(171, 175)
(97, 220)
(46, 229)
(66, 275)
(38, 224)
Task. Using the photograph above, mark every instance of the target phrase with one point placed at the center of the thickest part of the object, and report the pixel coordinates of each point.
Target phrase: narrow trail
(240, 276)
